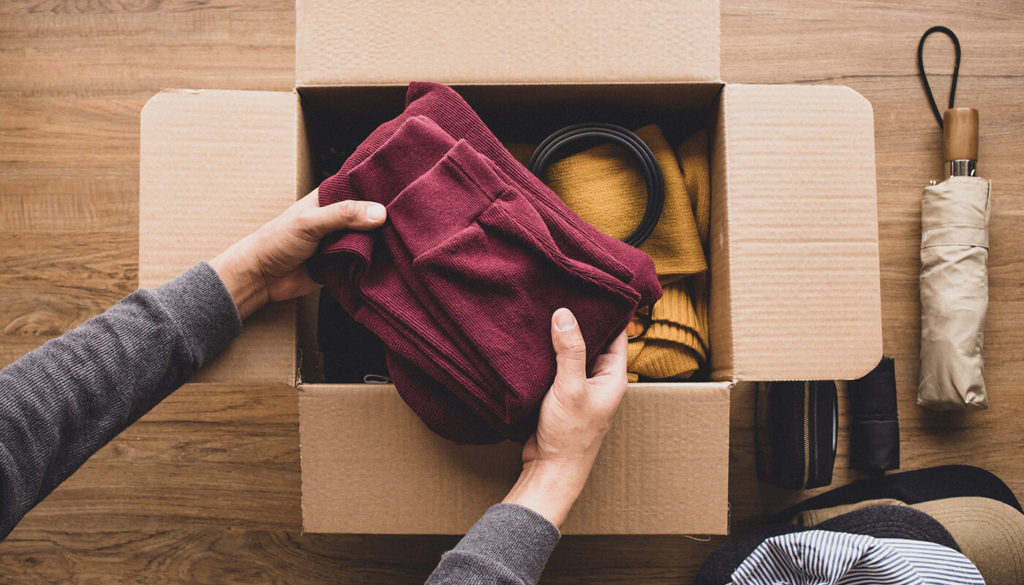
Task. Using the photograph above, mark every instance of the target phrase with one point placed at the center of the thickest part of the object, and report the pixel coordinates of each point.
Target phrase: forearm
(547, 491)
(62, 402)
(512, 542)
(508, 546)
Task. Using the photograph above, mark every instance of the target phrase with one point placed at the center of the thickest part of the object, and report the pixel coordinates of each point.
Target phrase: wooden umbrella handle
(960, 134)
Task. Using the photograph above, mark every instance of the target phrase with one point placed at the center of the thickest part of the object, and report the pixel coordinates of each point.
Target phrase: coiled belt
(542, 156)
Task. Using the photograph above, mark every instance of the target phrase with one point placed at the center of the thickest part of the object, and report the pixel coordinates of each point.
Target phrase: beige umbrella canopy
(954, 264)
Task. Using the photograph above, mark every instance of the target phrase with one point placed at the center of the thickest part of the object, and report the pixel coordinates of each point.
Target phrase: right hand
(574, 417)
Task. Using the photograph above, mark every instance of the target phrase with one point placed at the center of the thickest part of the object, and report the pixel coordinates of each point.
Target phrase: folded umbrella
(954, 264)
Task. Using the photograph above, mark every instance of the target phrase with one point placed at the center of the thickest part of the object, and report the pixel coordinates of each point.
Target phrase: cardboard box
(794, 242)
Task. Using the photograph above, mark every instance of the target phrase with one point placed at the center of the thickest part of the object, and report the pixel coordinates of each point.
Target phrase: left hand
(267, 265)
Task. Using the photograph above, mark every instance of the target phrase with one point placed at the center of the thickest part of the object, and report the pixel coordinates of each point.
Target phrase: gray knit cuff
(203, 309)
(514, 536)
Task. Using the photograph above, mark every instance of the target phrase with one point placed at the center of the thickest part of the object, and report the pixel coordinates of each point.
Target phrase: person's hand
(574, 417)
(267, 265)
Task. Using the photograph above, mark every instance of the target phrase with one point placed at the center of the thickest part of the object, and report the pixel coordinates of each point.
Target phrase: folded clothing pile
(461, 281)
(603, 185)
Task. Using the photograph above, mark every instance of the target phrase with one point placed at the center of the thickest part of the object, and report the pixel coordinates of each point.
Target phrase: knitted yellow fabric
(677, 342)
(606, 188)
(671, 348)
(694, 160)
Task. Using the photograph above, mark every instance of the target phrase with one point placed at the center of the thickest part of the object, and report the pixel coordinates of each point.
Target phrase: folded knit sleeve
(60, 403)
(509, 545)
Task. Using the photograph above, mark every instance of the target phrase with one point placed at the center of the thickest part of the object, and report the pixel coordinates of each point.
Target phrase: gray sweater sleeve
(509, 546)
(60, 403)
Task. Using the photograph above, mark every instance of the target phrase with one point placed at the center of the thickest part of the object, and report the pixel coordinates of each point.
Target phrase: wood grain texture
(206, 489)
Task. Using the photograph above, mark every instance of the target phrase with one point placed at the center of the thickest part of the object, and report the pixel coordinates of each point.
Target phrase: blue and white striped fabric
(819, 557)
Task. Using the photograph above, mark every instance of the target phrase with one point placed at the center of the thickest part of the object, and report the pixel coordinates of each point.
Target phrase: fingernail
(375, 212)
(564, 320)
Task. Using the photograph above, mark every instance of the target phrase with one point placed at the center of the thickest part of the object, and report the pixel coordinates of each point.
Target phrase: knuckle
(575, 347)
(348, 209)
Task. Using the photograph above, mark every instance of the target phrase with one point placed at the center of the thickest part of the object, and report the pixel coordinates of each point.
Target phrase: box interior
(337, 119)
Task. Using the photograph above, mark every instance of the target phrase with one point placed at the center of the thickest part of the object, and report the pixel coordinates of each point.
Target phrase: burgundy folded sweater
(461, 281)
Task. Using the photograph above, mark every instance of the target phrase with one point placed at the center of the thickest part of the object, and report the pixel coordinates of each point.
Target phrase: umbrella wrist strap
(924, 76)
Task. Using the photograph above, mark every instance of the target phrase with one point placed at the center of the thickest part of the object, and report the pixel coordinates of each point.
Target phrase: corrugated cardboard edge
(796, 173)
(214, 166)
(532, 41)
(370, 466)
(720, 286)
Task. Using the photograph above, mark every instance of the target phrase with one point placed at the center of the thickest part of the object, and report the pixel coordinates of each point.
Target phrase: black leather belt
(542, 156)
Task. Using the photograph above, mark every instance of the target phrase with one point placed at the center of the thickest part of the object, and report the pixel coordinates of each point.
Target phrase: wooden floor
(205, 489)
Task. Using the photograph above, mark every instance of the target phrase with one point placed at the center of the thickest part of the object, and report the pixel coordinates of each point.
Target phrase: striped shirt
(819, 557)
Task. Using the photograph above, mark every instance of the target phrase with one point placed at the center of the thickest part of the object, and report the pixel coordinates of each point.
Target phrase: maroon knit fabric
(461, 281)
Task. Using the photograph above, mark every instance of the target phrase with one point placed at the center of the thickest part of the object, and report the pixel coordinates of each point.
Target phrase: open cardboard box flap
(794, 244)
(793, 251)
(214, 166)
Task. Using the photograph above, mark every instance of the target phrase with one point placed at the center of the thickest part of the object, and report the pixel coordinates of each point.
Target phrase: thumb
(570, 349)
(350, 214)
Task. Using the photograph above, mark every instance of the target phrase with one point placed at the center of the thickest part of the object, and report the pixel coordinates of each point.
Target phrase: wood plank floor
(205, 489)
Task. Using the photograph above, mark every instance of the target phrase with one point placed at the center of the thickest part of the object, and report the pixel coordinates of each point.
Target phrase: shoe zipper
(807, 433)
